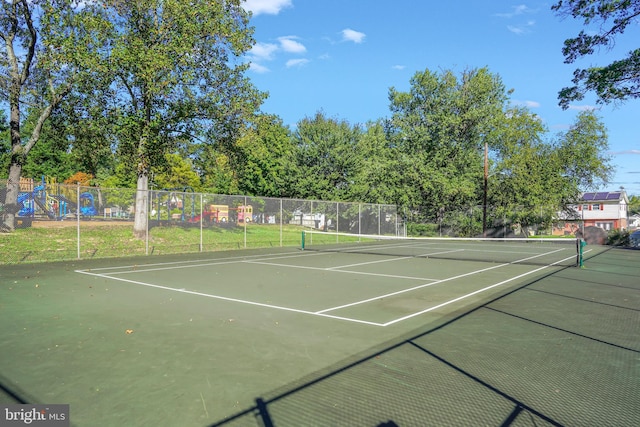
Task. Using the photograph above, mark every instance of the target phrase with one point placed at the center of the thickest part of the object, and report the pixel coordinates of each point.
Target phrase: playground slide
(28, 209)
(45, 208)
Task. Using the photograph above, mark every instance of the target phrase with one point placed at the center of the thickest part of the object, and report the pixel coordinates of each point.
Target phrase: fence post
(78, 215)
(280, 222)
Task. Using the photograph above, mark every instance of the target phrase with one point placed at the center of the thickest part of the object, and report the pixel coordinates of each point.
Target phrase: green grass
(104, 241)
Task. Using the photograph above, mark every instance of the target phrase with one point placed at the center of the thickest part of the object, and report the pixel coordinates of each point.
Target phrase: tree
(535, 178)
(379, 176)
(262, 156)
(176, 174)
(47, 47)
(326, 160)
(5, 147)
(582, 152)
(617, 81)
(634, 205)
(439, 129)
(177, 73)
(528, 183)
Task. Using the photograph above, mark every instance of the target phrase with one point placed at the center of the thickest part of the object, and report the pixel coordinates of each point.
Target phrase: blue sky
(342, 56)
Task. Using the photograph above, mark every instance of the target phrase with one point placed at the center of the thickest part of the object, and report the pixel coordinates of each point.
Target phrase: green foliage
(634, 205)
(177, 173)
(582, 152)
(51, 156)
(422, 230)
(439, 128)
(617, 81)
(326, 158)
(618, 238)
(534, 178)
(262, 158)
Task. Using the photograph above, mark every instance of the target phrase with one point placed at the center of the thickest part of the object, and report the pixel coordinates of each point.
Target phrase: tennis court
(339, 337)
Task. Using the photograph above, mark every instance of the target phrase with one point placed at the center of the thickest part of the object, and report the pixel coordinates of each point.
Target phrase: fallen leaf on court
(129, 331)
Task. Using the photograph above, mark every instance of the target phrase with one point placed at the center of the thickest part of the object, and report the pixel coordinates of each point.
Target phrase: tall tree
(262, 156)
(582, 152)
(326, 160)
(527, 182)
(47, 47)
(177, 72)
(535, 177)
(617, 81)
(5, 148)
(379, 176)
(439, 128)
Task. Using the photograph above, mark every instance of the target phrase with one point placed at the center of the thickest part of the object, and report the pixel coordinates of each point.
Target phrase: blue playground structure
(87, 206)
(30, 200)
(54, 206)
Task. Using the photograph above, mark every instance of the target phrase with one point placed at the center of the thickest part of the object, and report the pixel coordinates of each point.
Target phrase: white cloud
(618, 153)
(582, 107)
(297, 62)
(399, 67)
(516, 10)
(263, 51)
(291, 45)
(353, 36)
(523, 28)
(257, 68)
(528, 104)
(269, 7)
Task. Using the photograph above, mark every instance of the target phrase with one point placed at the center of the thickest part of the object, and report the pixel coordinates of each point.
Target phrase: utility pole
(486, 184)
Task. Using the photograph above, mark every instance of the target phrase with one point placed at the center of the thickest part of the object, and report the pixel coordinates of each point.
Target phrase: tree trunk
(11, 207)
(142, 203)
(18, 153)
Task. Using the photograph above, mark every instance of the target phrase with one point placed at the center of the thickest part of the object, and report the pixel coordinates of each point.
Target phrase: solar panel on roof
(613, 196)
(601, 196)
(588, 196)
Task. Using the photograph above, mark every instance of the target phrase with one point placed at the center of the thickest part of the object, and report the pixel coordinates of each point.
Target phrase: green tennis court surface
(326, 338)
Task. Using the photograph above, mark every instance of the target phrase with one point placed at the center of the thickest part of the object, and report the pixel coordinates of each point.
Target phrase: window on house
(585, 207)
(596, 207)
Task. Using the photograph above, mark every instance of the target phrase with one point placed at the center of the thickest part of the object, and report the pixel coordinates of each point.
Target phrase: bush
(618, 238)
(422, 230)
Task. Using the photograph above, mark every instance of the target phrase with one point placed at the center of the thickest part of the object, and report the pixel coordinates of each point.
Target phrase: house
(634, 221)
(604, 209)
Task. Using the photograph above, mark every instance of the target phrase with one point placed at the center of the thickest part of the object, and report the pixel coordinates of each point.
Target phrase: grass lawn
(56, 241)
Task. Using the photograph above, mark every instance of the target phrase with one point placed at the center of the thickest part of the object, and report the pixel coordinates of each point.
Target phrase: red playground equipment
(219, 214)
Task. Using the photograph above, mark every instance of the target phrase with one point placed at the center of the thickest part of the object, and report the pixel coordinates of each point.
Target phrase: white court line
(170, 263)
(437, 282)
(471, 294)
(203, 263)
(305, 267)
(322, 313)
(395, 258)
(259, 304)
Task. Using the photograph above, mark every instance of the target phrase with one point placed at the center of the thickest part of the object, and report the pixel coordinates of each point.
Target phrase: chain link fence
(498, 222)
(57, 222)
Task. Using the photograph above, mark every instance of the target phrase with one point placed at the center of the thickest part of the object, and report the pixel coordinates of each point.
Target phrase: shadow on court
(562, 350)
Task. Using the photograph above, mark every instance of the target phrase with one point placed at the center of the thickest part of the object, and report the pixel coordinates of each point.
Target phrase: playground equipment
(219, 214)
(87, 207)
(245, 213)
(39, 200)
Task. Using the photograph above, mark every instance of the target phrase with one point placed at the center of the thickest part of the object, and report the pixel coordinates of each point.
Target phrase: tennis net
(533, 251)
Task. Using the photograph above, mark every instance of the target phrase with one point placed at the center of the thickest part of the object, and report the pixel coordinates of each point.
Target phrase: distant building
(604, 209)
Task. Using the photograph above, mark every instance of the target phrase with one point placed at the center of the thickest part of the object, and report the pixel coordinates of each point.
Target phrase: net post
(303, 238)
(581, 244)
